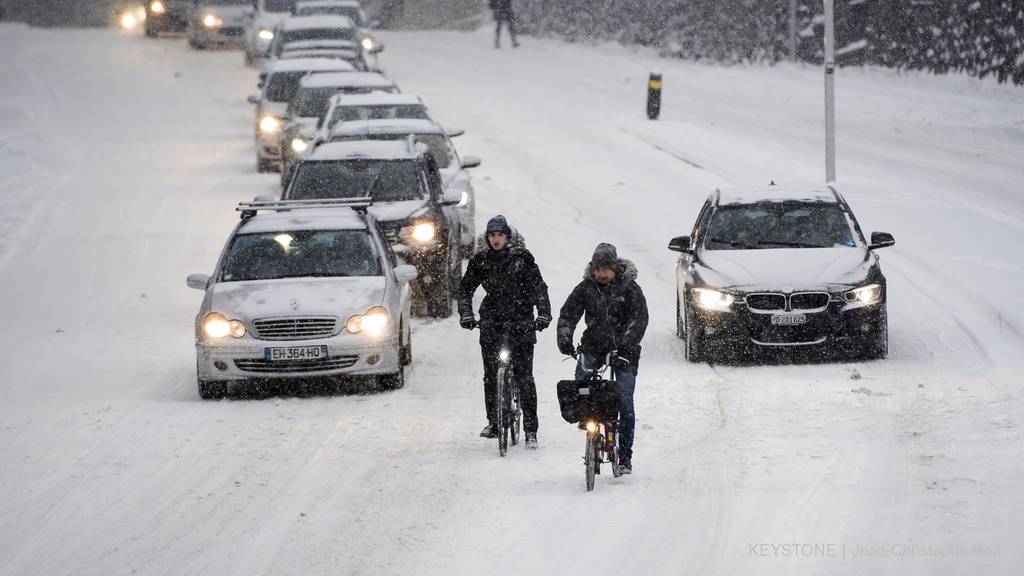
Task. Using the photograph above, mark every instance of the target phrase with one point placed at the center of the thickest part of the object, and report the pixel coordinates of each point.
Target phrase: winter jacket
(502, 8)
(513, 284)
(615, 314)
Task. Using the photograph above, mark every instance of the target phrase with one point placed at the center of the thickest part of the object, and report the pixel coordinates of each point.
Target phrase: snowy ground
(121, 159)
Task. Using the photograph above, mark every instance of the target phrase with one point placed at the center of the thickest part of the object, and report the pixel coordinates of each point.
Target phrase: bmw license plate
(295, 353)
(789, 319)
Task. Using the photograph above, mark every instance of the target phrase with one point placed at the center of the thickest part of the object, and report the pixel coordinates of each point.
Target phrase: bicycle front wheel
(590, 459)
(502, 409)
(516, 414)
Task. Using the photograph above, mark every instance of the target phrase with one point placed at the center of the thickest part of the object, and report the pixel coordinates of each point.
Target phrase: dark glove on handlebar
(541, 323)
(566, 347)
(467, 322)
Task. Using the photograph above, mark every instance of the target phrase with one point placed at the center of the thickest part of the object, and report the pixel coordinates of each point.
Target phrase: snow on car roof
(312, 219)
(319, 21)
(308, 65)
(354, 79)
(318, 45)
(368, 149)
(775, 194)
(389, 126)
(306, 3)
(376, 99)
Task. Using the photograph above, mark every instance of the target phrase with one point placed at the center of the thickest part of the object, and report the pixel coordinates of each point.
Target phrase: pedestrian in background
(503, 15)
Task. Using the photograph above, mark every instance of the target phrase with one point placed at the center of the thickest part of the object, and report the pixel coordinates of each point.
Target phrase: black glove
(467, 322)
(566, 347)
(541, 323)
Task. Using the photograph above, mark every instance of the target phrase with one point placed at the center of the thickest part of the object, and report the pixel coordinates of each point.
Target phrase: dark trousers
(626, 377)
(508, 20)
(522, 361)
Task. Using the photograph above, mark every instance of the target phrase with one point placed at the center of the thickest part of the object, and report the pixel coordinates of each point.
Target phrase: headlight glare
(265, 34)
(864, 295)
(367, 43)
(423, 232)
(211, 21)
(299, 145)
(375, 320)
(591, 426)
(712, 299)
(504, 355)
(216, 325)
(157, 7)
(269, 125)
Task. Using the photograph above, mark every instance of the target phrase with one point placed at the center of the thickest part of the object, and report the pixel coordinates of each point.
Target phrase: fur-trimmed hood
(625, 271)
(516, 242)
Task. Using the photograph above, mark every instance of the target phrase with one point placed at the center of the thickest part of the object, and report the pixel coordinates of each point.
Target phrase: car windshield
(278, 5)
(382, 180)
(437, 145)
(332, 10)
(377, 112)
(311, 102)
(319, 34)
(779, 225)
(282, 86)
(301, 254)
(225, 3)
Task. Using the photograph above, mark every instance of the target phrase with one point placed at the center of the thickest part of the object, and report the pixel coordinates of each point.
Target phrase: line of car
(375, 216)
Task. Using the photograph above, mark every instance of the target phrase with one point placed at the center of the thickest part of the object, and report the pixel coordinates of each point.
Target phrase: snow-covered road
(121, 159)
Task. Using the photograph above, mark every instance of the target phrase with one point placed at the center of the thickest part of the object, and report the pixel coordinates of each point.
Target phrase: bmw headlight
(265, 34)
(299, 145)
(270, 125)
(217, 326)
(864, 295)
(709, 299)
(157, 7)
(212, 21)
(372, 322)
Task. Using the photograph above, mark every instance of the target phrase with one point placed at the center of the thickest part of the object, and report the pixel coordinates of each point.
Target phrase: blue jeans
(626, 377)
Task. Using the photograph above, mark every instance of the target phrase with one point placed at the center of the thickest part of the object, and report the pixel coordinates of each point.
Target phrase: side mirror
(881, 240)
(680, 244)
(198, 281)
(451, 197)
(253, 99)
(405, 273)
(455, 132)
(471, 161)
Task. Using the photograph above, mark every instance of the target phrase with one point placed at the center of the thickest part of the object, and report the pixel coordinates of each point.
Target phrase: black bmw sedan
(776, 268)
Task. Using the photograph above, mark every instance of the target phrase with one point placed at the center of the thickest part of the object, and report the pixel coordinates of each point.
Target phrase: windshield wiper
(788, 244)
(732, 243)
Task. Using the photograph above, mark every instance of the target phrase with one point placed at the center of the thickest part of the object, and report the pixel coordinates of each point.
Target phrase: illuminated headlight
(591, 426)
(367, 43)
(864, 295)
(373, 322)
(129, 21)
(211, 21)
(299, 145)
(504, 355)
(422, 232)
(465, 200)
(157, 7)
(270, 125)
(265, 34)
(217, 326)
(713, 299)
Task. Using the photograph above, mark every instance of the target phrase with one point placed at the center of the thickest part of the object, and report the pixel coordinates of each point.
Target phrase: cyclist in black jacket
(615, 312)
(514, 286)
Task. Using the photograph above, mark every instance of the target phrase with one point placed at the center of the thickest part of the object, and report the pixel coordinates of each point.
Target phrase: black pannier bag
(593, 399)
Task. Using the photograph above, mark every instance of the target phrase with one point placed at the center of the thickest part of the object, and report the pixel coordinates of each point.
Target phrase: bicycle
(508, 411)
(594, 403)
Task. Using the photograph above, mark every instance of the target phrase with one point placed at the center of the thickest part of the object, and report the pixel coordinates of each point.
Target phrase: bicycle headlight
(591, 426)
(265, 34)
(212, 21)
(864, 295)
(504, 355)
(270, 125)
(157, 7)
(299, 145)
(713, 299)
(217, 326)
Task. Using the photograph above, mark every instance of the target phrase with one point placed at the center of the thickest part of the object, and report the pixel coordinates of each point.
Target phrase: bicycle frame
(602, 435)
(508, 413)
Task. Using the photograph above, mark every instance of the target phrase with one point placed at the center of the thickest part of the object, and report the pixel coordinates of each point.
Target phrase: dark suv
(412, 206)
(774, 268)
(166, 16)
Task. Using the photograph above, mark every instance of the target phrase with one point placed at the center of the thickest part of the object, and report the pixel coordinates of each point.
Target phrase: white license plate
(789, 319)
(584, 391)
(295, 353)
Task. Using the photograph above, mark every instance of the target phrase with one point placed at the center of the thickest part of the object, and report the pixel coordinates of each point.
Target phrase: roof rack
(249, 209)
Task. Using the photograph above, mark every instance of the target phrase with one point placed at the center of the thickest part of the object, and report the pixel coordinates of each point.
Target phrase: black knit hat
(498, 224)
(605, 256)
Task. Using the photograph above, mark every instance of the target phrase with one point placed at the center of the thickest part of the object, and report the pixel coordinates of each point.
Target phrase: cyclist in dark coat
(514, 286)
(615, 311)
(503, 14)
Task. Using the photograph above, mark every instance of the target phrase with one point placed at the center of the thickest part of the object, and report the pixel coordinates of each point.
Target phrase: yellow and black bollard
(654, 96)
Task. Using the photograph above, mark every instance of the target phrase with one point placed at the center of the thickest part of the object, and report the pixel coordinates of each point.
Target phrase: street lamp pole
(830, 93)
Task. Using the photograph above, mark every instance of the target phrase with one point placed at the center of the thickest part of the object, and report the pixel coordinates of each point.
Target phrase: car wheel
(405, 349)
(212, 390)
(392, 381)
(196, 44)
(264, 165)
(693, 345)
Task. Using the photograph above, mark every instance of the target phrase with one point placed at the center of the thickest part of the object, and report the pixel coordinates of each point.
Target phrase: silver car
(303, 289)
(217, 22)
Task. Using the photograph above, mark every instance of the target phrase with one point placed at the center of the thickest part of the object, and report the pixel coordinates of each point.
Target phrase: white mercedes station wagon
(303, 289)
